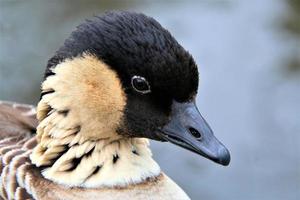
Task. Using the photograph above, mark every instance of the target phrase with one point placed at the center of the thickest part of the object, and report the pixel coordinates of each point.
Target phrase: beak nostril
(195, 133)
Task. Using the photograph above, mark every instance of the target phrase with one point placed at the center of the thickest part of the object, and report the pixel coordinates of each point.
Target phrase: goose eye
(140, 84)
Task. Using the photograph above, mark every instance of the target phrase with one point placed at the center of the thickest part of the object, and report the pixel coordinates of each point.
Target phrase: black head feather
(133, 44)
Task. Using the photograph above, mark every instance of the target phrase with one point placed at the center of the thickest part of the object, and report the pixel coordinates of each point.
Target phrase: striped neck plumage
(77, 141)
(99, 163)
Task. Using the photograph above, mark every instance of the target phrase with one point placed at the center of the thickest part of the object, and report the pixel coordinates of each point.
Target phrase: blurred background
(248, 55)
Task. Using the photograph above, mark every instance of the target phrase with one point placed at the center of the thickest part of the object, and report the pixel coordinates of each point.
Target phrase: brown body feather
(16, 120)
(17, 124)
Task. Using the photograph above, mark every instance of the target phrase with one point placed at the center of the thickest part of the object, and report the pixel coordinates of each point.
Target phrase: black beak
(188, 129)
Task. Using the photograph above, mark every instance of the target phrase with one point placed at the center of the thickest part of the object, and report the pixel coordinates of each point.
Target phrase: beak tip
(224, 157)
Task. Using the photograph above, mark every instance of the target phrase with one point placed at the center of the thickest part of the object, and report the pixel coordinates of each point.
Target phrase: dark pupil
(140, 84)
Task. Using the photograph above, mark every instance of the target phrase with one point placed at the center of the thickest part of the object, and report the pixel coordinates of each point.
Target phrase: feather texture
(21, 180)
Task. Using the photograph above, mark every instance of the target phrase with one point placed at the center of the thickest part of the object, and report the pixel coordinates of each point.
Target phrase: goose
(119, 80)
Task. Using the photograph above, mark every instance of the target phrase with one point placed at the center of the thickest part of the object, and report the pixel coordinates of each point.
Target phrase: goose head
(122, 75)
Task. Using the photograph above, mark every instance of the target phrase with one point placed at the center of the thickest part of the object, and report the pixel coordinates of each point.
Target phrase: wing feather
(17, 120)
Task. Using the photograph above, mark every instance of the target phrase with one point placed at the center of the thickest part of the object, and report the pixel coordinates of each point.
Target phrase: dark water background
(248, 54)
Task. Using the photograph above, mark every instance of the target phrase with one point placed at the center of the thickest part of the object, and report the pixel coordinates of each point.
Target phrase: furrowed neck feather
(81, 107)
